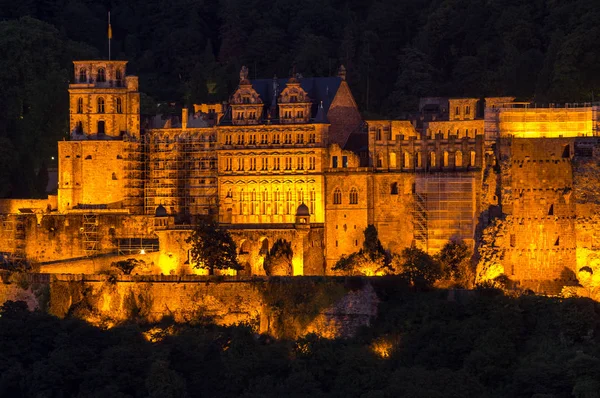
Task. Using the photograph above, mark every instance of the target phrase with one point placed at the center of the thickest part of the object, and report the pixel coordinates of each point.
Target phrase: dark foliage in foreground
(480, 344)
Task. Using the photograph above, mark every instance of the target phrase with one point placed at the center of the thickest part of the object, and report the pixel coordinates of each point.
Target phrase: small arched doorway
(101, 127)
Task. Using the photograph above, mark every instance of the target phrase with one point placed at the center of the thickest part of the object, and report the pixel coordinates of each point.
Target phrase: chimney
(184, 117)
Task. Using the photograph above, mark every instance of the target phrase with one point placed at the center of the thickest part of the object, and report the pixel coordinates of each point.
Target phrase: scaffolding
(89, 241)
(420, 220)
(181, 172)
(444, 209)
(135, 173)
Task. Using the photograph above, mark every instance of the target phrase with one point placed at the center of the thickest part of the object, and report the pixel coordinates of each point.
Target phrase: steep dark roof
(319, 89)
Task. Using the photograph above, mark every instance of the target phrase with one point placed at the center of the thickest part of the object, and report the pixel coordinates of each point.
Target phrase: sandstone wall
(280, 307)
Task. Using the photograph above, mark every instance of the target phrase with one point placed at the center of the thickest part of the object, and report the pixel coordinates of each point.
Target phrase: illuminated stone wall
(54, 237)
(253, 243)
(91, 173)
(348, 199)
(546, 122)
(536, 241)
(327, 308)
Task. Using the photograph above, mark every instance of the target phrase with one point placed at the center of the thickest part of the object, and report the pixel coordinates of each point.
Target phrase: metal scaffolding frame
(135, 174)
(444, 208)
(181, 173)
(90, 239)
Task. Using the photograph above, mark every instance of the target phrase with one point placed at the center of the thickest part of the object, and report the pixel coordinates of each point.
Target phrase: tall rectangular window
(344, 161)
(334, 162)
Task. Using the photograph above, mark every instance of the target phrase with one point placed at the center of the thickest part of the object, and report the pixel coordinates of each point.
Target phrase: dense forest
(421, 345)
(190, 51)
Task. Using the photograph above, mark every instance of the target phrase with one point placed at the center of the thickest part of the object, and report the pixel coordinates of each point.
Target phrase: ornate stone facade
(293, 159)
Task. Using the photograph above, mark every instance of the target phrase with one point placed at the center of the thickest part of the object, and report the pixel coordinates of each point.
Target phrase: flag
(109, 28)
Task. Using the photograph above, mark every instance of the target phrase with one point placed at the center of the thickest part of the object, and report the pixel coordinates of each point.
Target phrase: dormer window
(293, 98)
(118, 77)
(82, 76)
(101, 77)
(468, 110)
(246, 100)
(457, 111)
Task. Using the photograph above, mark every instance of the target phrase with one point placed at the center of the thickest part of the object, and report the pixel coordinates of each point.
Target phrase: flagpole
(109, 35)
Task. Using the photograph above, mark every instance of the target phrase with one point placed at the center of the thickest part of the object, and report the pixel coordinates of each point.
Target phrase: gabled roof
(319, 89)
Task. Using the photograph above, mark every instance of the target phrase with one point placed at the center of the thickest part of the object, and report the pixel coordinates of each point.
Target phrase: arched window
(79, 105)
(472, 161)
(253, 202)
(392, 160)
(353, 196)
(101, 76)
(313, 198)
(379, 160)
(394, 188)
(446, 159)
(263, 202)
(337, 197)
(432, 161)
(119, 105)
(419, 159)
(406, 159)
(289, 206)
(82, 76)
(118, 77)
(458, 161)
(100, 105)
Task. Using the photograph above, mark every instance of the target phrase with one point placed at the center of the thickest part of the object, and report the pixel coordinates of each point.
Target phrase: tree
(278, 260)
(371, 260)
(455, 263)
(213, 248)
(418, 267)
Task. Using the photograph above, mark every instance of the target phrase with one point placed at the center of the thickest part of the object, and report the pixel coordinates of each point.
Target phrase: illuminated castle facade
(293, 159)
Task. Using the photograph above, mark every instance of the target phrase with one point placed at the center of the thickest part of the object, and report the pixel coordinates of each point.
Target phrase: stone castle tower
(104, 124)
(103, 101)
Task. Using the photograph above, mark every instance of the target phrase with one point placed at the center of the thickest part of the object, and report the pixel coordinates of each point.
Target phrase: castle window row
(289, 163)
(274, 203)
(270, 139)
(459, 133)
(410, 161)
(101, 105)
(100, 76)
(352, 196)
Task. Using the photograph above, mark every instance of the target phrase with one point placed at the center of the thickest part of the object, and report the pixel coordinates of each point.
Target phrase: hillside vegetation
(422, 344)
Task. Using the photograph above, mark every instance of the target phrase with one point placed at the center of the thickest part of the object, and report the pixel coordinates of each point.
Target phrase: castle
(293, 159)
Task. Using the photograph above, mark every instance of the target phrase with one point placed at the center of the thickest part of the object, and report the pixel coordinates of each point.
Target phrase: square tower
(103, 101)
